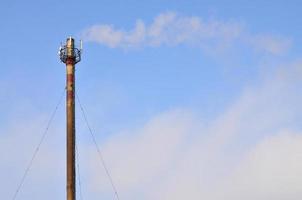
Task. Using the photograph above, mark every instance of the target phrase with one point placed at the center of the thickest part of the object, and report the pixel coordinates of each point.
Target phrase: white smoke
(172, 29)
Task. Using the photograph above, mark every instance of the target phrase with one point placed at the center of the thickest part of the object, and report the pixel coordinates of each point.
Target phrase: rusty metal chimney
(70, 55)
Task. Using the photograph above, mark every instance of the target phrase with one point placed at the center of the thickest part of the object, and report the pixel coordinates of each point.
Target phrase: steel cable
(78, 171)
(38, 146)
(98, 149)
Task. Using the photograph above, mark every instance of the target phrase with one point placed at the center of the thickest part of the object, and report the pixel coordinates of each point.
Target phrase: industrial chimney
(70, 55)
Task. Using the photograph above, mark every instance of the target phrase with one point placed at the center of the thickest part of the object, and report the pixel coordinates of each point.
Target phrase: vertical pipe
(70, 115)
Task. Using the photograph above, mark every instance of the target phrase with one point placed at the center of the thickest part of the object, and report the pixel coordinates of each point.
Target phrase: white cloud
(17, 145)
(248, 152)
(271, 44)
(271, 170)
(172, 29)
(104, 34)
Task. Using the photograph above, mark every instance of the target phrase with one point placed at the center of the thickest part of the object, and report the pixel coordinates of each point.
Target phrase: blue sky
(180, 77)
